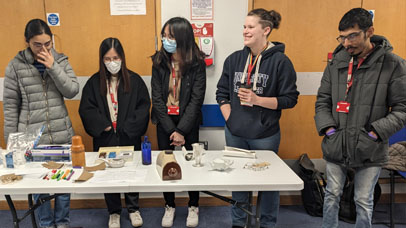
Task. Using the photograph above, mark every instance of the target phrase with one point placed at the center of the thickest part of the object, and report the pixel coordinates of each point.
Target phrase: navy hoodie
(276, 78)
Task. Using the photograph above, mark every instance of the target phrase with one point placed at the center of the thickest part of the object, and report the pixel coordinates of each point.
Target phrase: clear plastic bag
(19, 146)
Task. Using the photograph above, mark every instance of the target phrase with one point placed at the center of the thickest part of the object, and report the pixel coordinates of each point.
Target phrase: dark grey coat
(30, 100)
(378, 103)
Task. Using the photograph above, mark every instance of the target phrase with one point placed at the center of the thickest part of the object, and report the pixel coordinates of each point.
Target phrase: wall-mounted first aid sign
(53, 19)
(204, 39)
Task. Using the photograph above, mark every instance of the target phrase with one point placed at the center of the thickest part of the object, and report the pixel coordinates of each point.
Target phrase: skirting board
(180, 201)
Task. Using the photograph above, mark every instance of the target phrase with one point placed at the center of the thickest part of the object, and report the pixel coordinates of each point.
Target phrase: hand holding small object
(247, 96)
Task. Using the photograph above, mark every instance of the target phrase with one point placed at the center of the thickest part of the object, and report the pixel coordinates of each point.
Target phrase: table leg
(250, 206)
(31, 210)
(230, 201)
(258, 211)
(13, 211)
(31, 205)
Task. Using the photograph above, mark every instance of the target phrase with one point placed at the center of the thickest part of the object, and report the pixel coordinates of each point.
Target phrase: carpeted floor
(210, 217)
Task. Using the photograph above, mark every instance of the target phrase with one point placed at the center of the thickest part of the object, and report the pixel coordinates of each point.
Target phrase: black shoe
(237, 227)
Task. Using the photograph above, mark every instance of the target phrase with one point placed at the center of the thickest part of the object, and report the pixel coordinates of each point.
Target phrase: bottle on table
(78, 152)
(146, 151)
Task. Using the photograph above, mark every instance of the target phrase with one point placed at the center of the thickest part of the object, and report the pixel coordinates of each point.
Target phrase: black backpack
(314, 185)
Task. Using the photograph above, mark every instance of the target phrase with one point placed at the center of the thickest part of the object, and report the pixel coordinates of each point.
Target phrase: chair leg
(392, 197)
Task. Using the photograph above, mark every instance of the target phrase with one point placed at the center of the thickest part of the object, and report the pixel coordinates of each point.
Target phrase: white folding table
(278, 177)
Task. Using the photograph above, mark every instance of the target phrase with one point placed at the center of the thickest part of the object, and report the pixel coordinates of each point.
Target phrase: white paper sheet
(128, 7)
(202, 9)
(118, 175)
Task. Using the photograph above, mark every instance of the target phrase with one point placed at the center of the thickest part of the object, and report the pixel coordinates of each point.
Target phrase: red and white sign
(204, 39)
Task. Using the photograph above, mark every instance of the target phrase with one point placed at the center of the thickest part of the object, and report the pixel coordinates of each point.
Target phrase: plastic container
(78, 152)
(146, 151)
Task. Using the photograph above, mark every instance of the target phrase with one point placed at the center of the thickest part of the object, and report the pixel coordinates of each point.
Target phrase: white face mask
(113, 66)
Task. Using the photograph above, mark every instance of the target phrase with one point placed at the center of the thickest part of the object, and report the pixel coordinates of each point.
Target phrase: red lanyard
(350, 78)
(115, 105)
(251, 65)
(250, 68)
(174, 81)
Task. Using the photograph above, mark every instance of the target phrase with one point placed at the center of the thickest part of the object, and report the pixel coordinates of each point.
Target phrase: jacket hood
(379, 41)
(279, 47)
(27, 56)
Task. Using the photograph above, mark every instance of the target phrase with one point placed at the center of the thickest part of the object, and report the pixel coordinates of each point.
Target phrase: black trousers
(165, 144)
(113, 202)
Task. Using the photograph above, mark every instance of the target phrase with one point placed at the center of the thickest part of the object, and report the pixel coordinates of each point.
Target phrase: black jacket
(133, 113)
(276, 78)
(192, 91)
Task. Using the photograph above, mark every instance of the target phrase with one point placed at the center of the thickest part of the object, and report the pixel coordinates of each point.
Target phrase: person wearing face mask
(256, 84)
(178, 88)
(114, 109)
(35, 84)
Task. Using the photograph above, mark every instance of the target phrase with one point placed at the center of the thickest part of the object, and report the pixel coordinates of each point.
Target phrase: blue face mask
(169, 45)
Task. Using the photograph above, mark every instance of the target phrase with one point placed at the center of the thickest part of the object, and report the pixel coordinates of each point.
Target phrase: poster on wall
(201, 9)
(204, 39)
(128, 7)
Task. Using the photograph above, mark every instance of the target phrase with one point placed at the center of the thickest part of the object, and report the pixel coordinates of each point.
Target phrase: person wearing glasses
(114, 109)
(360, 103)
(256, 84)
(36, 82)
(178, 88)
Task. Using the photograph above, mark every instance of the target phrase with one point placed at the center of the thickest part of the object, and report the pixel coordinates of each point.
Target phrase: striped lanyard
(174, 81)
(252, 65)
(350, 77)
(115, 105)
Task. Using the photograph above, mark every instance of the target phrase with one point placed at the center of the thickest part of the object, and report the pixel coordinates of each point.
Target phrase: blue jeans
(60, 216)
(364, 183)
(269, 200)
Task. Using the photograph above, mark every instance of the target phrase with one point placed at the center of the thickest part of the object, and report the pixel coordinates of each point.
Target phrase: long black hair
(182, 31)
(123, 74)
(36, 27)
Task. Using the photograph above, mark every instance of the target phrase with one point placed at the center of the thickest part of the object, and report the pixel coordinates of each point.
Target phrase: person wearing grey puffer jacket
(32, 100)
(35, 84)
(361, 102)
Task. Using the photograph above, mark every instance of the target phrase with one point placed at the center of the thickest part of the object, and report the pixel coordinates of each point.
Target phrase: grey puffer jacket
(379, 84)
(31, 100)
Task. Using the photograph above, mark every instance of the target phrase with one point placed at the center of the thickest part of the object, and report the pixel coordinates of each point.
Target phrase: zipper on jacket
(47, 111)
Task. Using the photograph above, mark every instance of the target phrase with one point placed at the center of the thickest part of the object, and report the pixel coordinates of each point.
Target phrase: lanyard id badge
(344, 106)
(173, 109)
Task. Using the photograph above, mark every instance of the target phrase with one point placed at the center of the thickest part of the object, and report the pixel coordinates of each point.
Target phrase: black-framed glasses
(350, 37)
(39, 45)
